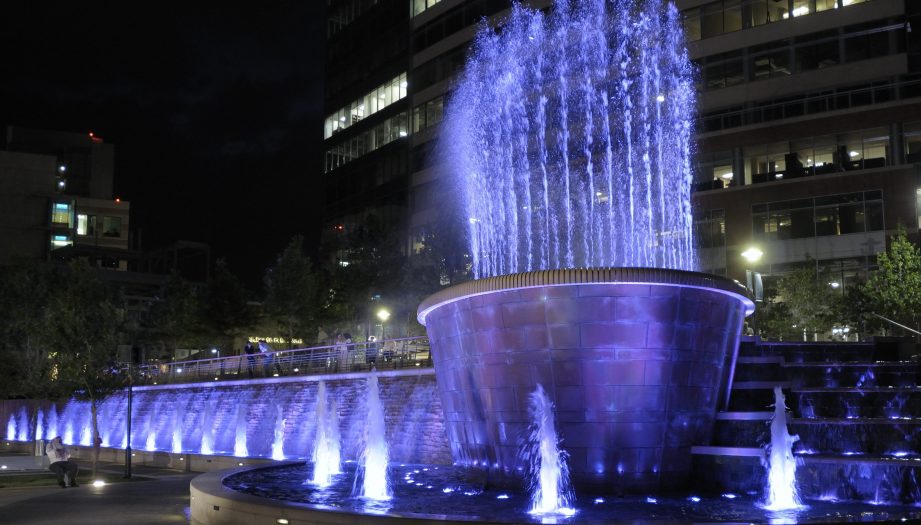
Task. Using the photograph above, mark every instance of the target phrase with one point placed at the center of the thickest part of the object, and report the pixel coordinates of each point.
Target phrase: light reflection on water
(445, 493)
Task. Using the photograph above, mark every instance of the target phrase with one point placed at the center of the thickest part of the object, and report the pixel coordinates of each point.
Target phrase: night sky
(215, 111)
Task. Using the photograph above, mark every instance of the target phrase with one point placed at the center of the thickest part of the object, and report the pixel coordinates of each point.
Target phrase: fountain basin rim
(586, 276)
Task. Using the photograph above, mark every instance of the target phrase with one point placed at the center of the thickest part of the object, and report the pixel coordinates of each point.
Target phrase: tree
(84, 318)
(894, 290)
(225, 309)
(174, 317)
(25, 290)
(371, 268)
(364, 263)
(293, 297)
(801, 302)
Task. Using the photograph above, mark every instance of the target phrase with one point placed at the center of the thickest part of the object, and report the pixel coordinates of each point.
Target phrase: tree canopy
(293, 294)
(894, 290)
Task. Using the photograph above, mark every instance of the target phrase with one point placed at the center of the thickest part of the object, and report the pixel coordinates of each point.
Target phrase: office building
(809, 132)
(56, 189)
(808, 137)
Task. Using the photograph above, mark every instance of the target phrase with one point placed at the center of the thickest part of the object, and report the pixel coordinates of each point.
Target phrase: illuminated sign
(275, 340)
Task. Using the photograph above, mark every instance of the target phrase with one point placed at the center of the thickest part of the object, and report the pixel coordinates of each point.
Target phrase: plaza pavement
(161, 498)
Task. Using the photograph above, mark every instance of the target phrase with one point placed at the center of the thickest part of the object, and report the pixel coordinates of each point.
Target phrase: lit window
(421, 5)
(58, 241)
(376, 100)
(82, 224)
(60, 213)
(384, 133)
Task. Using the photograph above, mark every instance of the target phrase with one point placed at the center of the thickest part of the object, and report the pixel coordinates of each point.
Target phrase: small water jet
(376, 455)
(326, 457)
(176, 425)
(40, 424)
(68, 437)
(52, 427)
(151, 428)
(23, 430)
(207, 428)
(240, 449)
(86, 435)
(781, 489)
(11, 428)
(548, 473)
(278, 439)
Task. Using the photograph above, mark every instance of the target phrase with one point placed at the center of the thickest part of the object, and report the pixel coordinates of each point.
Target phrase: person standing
(342, 353)
(250, 352)
(268, 357)
(61, 464)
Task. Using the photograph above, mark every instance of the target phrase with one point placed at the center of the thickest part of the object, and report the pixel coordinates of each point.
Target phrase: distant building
(56, 188)
(366, 104)
(808, 137)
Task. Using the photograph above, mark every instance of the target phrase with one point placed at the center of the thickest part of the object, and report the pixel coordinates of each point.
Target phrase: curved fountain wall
(632, 359)
(178, 418)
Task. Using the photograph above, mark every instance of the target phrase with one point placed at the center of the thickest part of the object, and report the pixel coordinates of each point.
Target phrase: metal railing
(389, 354)
(912, 330)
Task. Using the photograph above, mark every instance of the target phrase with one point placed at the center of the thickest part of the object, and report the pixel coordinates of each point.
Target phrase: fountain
(11, 428)
(586, 335)
(278, 441)
(549, 475)
(22, 433)
(240, 449)
(781, 465)
(207, 428)
(568, 137)
(40, 424)
(376, 454)
(68, 437)
(326, 455)
(52, 429)
(151, 426)
(176, 425)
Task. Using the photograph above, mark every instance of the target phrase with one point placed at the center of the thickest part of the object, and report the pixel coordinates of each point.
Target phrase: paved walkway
(162, 498)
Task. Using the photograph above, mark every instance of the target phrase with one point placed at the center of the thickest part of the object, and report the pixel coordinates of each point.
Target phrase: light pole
(383, 314)
(753, 279)
(216, 354)
(128, 423)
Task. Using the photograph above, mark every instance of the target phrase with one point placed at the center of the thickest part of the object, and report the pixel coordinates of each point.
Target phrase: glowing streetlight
(383, 314)
(752, 254)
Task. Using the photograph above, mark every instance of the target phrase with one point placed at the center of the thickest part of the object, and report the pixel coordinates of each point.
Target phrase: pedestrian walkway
(157, 496)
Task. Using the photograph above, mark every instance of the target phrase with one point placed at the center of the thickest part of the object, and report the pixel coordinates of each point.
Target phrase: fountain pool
(443, 493)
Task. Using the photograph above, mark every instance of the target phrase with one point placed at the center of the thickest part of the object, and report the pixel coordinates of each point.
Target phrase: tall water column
(567, 141)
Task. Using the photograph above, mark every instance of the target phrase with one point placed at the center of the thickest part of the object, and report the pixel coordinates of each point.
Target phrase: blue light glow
(574, 152)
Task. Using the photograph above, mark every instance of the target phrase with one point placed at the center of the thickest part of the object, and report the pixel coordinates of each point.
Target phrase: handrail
(327, 359)
(912, 330)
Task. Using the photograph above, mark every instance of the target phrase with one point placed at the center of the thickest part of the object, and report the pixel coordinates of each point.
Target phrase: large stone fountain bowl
(633, 358)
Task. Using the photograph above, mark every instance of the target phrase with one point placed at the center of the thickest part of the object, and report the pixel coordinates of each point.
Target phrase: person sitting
(61, 464)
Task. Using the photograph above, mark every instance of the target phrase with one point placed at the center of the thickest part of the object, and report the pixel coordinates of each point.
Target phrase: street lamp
(383, 314)
(752, 254)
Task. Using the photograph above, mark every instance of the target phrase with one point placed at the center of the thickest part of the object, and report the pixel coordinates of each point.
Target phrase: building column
(896, 144)
(738, 167)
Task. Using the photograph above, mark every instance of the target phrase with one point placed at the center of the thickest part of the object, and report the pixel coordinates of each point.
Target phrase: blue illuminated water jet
(569, 137)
